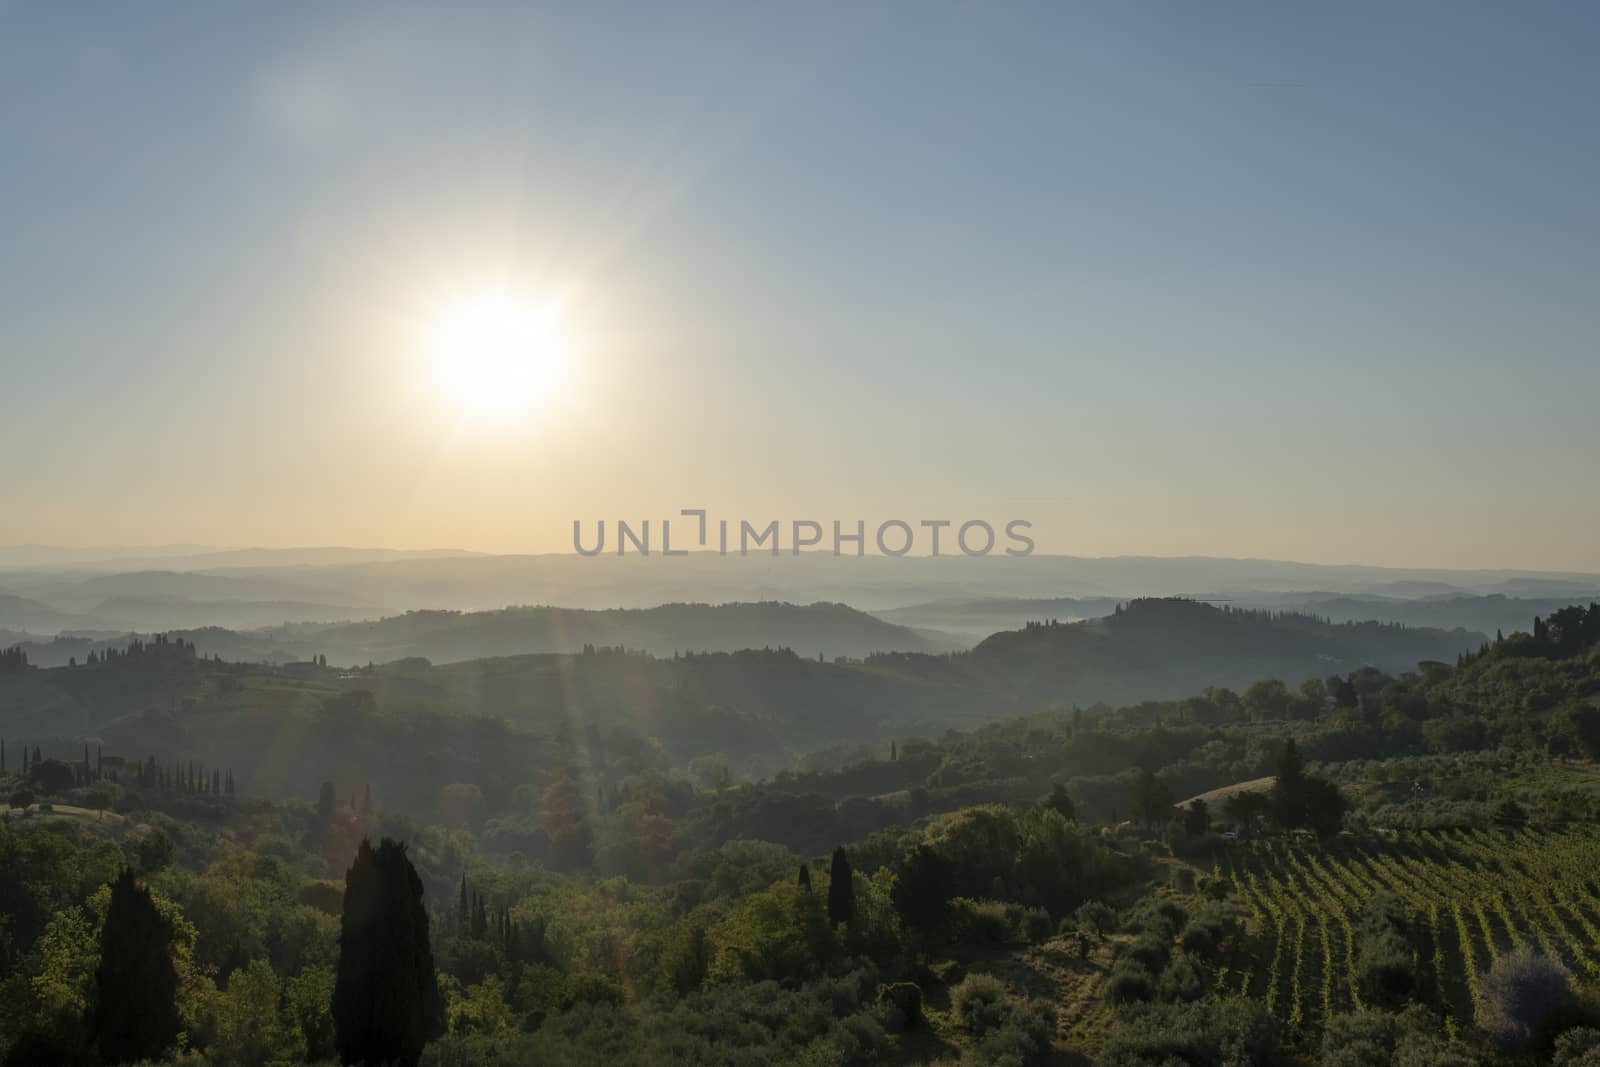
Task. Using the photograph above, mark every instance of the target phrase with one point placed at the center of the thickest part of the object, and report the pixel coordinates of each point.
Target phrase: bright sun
(495, 355)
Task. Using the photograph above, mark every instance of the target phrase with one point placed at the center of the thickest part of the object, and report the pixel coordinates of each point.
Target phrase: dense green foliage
(1408, 862)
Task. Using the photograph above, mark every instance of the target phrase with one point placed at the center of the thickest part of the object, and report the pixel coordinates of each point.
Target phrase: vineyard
(1470, 895)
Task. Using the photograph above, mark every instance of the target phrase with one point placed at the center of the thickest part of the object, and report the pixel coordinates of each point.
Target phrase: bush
(978, 1003)
(1149, 951)
(1096, 918)
(1577, 1047)
(1385, 971)
(1181, 981)
(1208, 931)
(1381, 1039)
(1130, 982)
(1023, 1039)
(1523, 995)
(901, 1004)
(1235, 1031)
(979, 922)
(1036, 925)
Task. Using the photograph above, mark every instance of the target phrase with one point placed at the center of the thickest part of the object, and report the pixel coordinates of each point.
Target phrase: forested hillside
(764, 711)
(1027, 892)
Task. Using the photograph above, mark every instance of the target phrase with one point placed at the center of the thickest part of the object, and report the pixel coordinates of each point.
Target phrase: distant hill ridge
(826, 629)
(1155, 648)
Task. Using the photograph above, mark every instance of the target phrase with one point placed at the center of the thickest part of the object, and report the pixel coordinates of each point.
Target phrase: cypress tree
(805, 878)
(841, 891)
(386, 1003)
(461, 908)
(135, 1013)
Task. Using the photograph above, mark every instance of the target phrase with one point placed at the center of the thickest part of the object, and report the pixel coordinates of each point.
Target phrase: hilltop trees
(1152, 799)
(386, 1002)
(1245, 808)
(50, 776)
(1301, 801)
(134, 1015)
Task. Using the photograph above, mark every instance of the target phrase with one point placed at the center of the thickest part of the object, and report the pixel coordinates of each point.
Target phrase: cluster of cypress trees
(520, 943)
(160, 645)
(183, 777)
(841, 889)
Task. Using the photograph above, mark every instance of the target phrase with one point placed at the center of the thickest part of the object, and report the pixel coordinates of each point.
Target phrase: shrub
(1023, 1039)
(1198, 939)
(1235, 1031)
(1149, 951)
(978, 1003)
(901, 1003)
(1381, 1039)
(1181, 981)
(1385, 970)
(1096, 918)
(1130, 982)
(1522, 995)
(1577, 1047)
(979, 921)
(1036, 925)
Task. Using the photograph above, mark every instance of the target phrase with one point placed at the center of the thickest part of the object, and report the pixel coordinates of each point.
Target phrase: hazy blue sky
(1291, 280)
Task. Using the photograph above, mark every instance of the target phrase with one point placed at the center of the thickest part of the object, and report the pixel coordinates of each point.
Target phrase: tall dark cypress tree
(135, 1013)
(841, 891)
(386, 1003)
(805, 877)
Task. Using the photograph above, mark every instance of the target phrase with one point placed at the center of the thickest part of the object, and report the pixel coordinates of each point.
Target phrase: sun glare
(495, 355)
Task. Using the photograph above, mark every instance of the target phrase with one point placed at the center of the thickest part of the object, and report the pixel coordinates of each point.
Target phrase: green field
(1471, 896)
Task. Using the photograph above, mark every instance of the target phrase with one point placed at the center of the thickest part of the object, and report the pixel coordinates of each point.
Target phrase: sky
(1312, 282)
